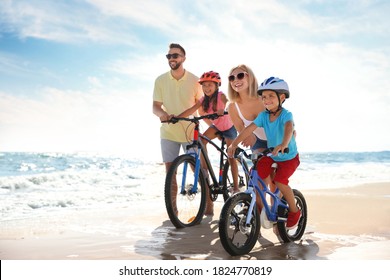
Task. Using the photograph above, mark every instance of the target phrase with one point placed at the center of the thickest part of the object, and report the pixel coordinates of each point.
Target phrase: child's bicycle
(185, 184)
(240, 221)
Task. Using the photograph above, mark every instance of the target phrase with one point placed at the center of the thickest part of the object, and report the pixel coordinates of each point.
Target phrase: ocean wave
(57, 181)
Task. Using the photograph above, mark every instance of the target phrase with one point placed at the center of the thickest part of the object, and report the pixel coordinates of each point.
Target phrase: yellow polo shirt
(177, 96)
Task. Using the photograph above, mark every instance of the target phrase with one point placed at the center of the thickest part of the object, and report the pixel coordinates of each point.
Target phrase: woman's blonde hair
(234, 95)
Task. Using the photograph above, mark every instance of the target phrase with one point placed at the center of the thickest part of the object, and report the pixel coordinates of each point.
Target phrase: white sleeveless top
(259, 132)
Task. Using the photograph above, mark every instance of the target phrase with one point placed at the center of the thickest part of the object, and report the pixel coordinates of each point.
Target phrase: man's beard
(175, 66)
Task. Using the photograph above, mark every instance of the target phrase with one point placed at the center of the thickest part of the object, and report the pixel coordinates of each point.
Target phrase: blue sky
(78, 75)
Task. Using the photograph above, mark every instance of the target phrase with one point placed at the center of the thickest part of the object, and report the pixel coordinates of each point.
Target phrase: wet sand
(343, 224)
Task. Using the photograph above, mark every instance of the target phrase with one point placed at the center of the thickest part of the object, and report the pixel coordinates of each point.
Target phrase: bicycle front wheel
(185, 199)
(237, 237)
(228, 181)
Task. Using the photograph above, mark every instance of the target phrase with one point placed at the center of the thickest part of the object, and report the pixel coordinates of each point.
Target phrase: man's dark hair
(177, 46)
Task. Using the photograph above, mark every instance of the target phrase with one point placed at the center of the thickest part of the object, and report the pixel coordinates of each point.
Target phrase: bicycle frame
(197, 147)
(253, 187)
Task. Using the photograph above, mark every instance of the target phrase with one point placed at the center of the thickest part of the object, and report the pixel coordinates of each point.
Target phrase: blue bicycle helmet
(274, 84)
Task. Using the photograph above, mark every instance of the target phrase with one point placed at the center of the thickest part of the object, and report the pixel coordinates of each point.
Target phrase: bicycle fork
(196, 154)
(252, 193)
(276, 212)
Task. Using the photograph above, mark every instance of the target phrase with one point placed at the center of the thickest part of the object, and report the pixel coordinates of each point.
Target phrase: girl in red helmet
(214, 101)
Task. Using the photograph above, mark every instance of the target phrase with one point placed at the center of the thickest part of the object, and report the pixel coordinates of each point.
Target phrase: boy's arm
(246, 132)
(288, 133)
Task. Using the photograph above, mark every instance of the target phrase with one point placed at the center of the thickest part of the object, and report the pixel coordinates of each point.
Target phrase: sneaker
(293, 219)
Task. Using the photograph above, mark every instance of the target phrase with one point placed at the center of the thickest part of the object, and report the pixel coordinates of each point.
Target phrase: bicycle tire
(297, 233)
(236, 238)
(227, 178)
(184, 209)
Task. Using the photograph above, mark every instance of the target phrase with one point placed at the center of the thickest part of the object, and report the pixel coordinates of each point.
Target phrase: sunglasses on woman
(174, 55)
(239, 76)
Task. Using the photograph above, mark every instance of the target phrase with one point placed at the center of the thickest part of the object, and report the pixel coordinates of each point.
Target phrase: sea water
(34, 184)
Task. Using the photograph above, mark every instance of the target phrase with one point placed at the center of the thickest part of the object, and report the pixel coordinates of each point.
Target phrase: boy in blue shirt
(279, 128)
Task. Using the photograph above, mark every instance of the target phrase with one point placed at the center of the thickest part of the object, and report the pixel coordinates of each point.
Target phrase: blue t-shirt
(275, 131)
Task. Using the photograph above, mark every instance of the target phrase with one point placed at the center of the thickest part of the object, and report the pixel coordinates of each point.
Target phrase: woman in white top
(245, 105)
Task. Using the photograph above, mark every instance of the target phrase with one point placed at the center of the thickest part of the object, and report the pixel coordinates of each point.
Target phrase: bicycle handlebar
(195, 119)
(266, 152)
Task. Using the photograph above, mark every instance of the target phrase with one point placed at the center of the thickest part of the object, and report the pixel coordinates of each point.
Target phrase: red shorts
(283, 172)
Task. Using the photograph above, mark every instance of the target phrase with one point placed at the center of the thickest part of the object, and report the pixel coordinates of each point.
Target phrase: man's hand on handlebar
(166, 117)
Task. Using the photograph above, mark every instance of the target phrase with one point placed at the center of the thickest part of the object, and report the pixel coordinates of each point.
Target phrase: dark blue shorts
(260, 144)
(231, 133)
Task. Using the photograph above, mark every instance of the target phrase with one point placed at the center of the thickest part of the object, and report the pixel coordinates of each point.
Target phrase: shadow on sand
(202, 242)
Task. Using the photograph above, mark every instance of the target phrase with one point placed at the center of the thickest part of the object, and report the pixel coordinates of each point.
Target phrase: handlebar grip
(216, 116)
(213, 116)
(269, 150)
(172, 120)
(237, 151)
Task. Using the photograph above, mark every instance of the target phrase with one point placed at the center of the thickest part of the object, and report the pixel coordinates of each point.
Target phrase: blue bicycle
(240, 221)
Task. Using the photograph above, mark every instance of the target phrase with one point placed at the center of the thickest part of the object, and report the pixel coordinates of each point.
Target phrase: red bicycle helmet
(210, 76)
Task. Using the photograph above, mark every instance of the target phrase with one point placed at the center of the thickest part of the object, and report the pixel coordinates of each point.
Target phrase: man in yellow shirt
(174, 92)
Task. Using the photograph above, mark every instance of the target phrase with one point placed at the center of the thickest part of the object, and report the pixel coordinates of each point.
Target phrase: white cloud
(158, 14)
(62, 21)
(12, 64)
(95, 82)
(140, 68)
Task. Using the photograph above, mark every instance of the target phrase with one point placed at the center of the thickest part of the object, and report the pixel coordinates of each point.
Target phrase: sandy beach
(343, 224)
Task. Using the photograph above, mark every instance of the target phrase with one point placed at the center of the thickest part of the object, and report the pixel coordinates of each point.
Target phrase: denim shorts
(260, 144)
(231, 133)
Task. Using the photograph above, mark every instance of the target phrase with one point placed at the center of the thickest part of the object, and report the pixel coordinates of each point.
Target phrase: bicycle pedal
(282, 213)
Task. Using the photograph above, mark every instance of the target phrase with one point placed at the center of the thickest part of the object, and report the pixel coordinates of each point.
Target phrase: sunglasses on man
(174, 55)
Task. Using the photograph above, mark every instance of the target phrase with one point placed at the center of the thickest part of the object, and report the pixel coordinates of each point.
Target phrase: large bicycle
(240, 221)
(186, 184)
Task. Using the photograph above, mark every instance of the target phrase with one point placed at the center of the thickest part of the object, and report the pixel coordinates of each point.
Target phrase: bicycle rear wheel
(227, 178)
(296, 233)
(185, 205)
(236, 237)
